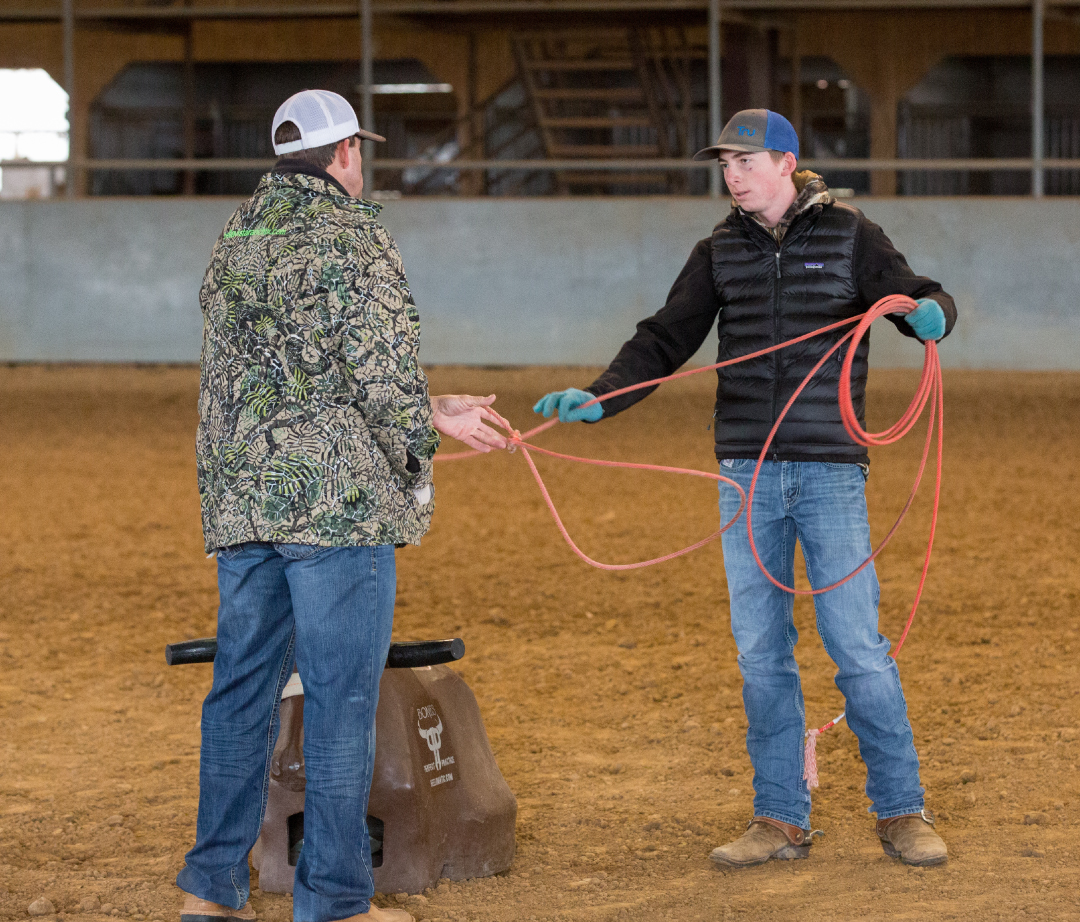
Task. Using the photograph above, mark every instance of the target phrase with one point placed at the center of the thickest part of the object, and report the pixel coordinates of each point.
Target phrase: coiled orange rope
(930, 391)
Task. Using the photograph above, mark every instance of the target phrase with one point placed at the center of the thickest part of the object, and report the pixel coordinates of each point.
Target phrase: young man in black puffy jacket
(787, 260)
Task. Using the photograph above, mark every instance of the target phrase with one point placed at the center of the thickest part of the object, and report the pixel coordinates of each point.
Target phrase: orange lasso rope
(929, 391)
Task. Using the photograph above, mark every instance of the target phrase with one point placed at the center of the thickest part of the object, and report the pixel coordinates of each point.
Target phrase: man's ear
(790, 164)
(342, 154)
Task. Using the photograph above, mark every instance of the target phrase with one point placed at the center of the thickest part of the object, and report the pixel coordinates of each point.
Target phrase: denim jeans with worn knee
(823, 507)
(331, 608)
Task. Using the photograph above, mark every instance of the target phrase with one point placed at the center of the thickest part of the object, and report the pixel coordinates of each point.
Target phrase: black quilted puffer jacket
(832, 263)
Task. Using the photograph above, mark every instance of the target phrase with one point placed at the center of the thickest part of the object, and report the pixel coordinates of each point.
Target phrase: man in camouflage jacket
(315, 447)
(315, 425)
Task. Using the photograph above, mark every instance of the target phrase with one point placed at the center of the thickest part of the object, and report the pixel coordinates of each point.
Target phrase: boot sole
(787, 853)
(215, 917)
(891, 851)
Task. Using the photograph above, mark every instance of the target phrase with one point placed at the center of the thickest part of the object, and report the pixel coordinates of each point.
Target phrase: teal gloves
(927, 320)
(567, 403)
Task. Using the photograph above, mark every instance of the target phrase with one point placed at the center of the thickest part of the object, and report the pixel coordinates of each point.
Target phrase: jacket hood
(811, 192)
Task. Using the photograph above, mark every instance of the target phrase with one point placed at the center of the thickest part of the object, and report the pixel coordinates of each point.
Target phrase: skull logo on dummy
(432, 734)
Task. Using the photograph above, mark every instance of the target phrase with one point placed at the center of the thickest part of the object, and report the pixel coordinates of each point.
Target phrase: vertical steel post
(188, 116)
(1038, 14)
(796, 85)
(68, 27)
(473, 183)
(715, 91)
(367, 108)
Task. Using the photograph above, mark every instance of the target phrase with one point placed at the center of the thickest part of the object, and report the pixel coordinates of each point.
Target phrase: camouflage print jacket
(315, 425)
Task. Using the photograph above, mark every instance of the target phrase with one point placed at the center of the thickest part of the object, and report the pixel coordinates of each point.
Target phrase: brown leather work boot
(196, 910)
(375, 914)
(764, 838)
(912, 839)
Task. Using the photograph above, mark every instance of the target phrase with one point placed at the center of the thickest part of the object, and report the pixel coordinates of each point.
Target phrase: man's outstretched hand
(568, 403)
(462, 417)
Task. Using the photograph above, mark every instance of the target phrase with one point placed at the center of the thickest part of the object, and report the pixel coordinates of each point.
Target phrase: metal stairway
(613, 94)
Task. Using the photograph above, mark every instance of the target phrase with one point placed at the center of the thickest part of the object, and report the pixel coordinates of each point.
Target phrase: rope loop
(930, 391)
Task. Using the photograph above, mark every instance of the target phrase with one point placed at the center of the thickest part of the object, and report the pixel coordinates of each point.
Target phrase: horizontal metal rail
(41, 12)
(851, 165)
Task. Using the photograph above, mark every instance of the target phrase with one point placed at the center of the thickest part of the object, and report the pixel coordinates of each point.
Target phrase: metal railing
(444, 167)
(101, 11)
(177, 164)
(66, 12)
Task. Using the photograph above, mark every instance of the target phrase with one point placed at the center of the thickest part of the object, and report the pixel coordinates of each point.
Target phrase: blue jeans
(823, 507)
(333, 608)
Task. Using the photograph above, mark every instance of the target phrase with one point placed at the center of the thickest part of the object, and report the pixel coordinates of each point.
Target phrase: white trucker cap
(323, 117)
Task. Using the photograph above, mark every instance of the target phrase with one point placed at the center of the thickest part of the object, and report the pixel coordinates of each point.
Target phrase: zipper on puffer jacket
(776, 342)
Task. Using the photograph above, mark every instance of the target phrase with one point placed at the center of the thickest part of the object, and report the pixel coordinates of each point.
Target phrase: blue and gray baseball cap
(753, 131)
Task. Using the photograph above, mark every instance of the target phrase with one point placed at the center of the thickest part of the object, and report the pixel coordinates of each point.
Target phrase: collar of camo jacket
(315, 421)
(298, 167)
(810, 190)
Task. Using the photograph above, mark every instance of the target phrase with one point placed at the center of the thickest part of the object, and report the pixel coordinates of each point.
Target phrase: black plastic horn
(202, 650)
(406, 655)
(415, 653)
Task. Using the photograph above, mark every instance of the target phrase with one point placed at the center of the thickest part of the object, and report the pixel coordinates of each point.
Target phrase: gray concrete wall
(526, 281)
(111, 280)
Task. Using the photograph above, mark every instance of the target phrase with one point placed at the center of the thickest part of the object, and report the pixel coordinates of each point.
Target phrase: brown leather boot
(375, 914)
(196, 910)
(764, 838)
(912, 839)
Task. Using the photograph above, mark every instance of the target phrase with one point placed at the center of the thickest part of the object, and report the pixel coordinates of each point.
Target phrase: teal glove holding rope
(567, 403)
(927, 320)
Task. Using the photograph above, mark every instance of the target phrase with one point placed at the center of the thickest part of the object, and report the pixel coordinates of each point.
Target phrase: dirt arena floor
(612, 700)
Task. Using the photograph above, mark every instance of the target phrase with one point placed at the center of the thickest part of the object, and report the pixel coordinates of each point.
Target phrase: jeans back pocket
(298, 551)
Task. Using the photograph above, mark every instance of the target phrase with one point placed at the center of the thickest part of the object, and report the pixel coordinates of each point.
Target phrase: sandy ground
(612, 700)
